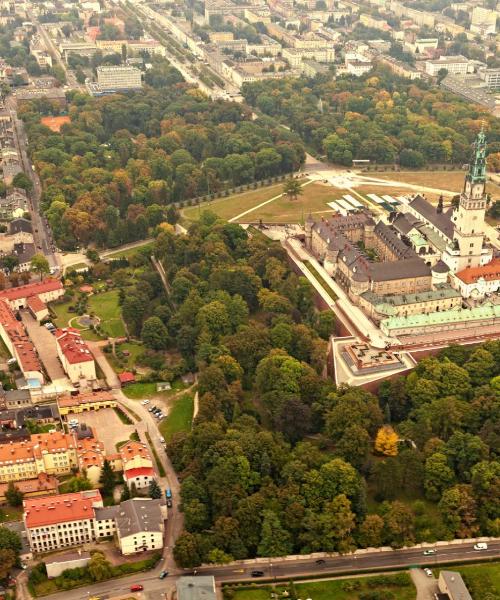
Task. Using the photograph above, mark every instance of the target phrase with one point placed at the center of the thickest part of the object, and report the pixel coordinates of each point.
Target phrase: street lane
(283, 569)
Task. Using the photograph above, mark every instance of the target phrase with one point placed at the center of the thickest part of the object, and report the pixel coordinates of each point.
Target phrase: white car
(144, 402)
(481, 546)
(428, 572)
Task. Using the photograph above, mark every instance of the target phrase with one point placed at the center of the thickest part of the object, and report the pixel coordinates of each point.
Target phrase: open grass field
(129, 361)
(340, 589)
(234, 205)
(314, 199)
(179, 417)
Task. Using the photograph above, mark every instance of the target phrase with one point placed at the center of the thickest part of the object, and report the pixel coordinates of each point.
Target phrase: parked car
(162, 439)
(481, 546)
(169, 503)
(428, 572)
(429, 552)
(137, 587)
(163, 574)
(144, 402)
(257, 573)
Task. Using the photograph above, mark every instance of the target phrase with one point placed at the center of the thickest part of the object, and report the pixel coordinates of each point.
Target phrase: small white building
(139, 525)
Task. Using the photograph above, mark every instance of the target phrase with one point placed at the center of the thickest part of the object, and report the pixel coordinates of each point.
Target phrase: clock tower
(467, 249)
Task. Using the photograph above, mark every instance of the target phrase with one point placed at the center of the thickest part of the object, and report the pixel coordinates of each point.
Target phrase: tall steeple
(477, 167)
(467, 249)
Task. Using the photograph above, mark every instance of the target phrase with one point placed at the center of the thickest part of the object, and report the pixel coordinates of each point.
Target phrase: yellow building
(50, 453)
(85, 402)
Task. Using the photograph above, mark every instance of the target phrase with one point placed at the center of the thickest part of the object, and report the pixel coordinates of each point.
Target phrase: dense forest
(378, 117)
(281, 461)
(109, 175)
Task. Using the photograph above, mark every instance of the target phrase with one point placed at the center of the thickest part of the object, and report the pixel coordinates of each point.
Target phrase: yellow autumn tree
(386, 442)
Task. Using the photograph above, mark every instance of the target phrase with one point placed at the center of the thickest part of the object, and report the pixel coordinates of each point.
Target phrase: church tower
(468, 235)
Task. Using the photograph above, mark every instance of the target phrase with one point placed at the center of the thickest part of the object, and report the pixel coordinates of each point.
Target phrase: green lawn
(340, 589)
(179, 418)
(313, 199)
(103, 305)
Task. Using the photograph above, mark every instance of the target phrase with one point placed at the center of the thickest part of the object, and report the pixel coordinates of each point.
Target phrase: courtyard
(107, 427)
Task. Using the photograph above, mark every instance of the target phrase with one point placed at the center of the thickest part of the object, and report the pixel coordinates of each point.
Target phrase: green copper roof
(477, 168)
(446, 316)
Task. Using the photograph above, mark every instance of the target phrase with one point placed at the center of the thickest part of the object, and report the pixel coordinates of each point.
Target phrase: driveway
(107, 427)
(426, 586)
(45, 344)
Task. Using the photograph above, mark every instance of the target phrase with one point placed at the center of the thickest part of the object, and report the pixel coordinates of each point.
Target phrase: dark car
(169, 502)
(257, 573)
(320, 561)
(163, 574)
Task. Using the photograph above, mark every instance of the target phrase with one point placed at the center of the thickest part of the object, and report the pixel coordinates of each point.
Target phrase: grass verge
(159, 465)
(124, 418)
(309, 266)
(396, 587)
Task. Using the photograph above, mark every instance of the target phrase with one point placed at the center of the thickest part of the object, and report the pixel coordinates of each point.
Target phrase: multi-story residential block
(50, 453)
(483, 20)
(53, 523)
(114, 78)
(455, 65)
(491, 77)
(75, 356)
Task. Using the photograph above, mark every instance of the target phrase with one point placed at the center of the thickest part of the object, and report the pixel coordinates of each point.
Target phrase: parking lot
(107, 427)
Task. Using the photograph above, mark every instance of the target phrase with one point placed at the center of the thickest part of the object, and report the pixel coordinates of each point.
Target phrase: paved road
(41, 230)
(154, 588)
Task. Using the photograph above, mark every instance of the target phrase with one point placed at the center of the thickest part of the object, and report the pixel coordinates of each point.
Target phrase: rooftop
(48, 510)
(441, 221)
(201, 587)
(457, 315)
(31, 289)
(73, 346)
(137, 515)
(489, 272)
(456, 588)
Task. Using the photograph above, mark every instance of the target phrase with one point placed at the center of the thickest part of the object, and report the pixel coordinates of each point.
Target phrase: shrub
(351, 586)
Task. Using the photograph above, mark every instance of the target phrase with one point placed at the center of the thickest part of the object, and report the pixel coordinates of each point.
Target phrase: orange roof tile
(73, 346)
(489, 272)
(48, 510)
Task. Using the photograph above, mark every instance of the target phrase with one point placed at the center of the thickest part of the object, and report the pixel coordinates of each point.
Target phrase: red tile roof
(25, 351)
(49, 510)
(139, 472)
(489, 272)
(85, 398)
(31, 289)
(126, 377)
(36, 304)
(73, 346)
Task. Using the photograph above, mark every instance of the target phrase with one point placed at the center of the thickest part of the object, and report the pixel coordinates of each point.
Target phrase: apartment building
(50, 453)
(62, 521)
(491, 77)
(113, 78)
(75, 356)
(67, 520)
(483, 21)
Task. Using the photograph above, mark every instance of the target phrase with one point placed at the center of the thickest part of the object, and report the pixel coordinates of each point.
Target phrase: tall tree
(40, 265)
(275, 540)
(292, 188)
(107, 478)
